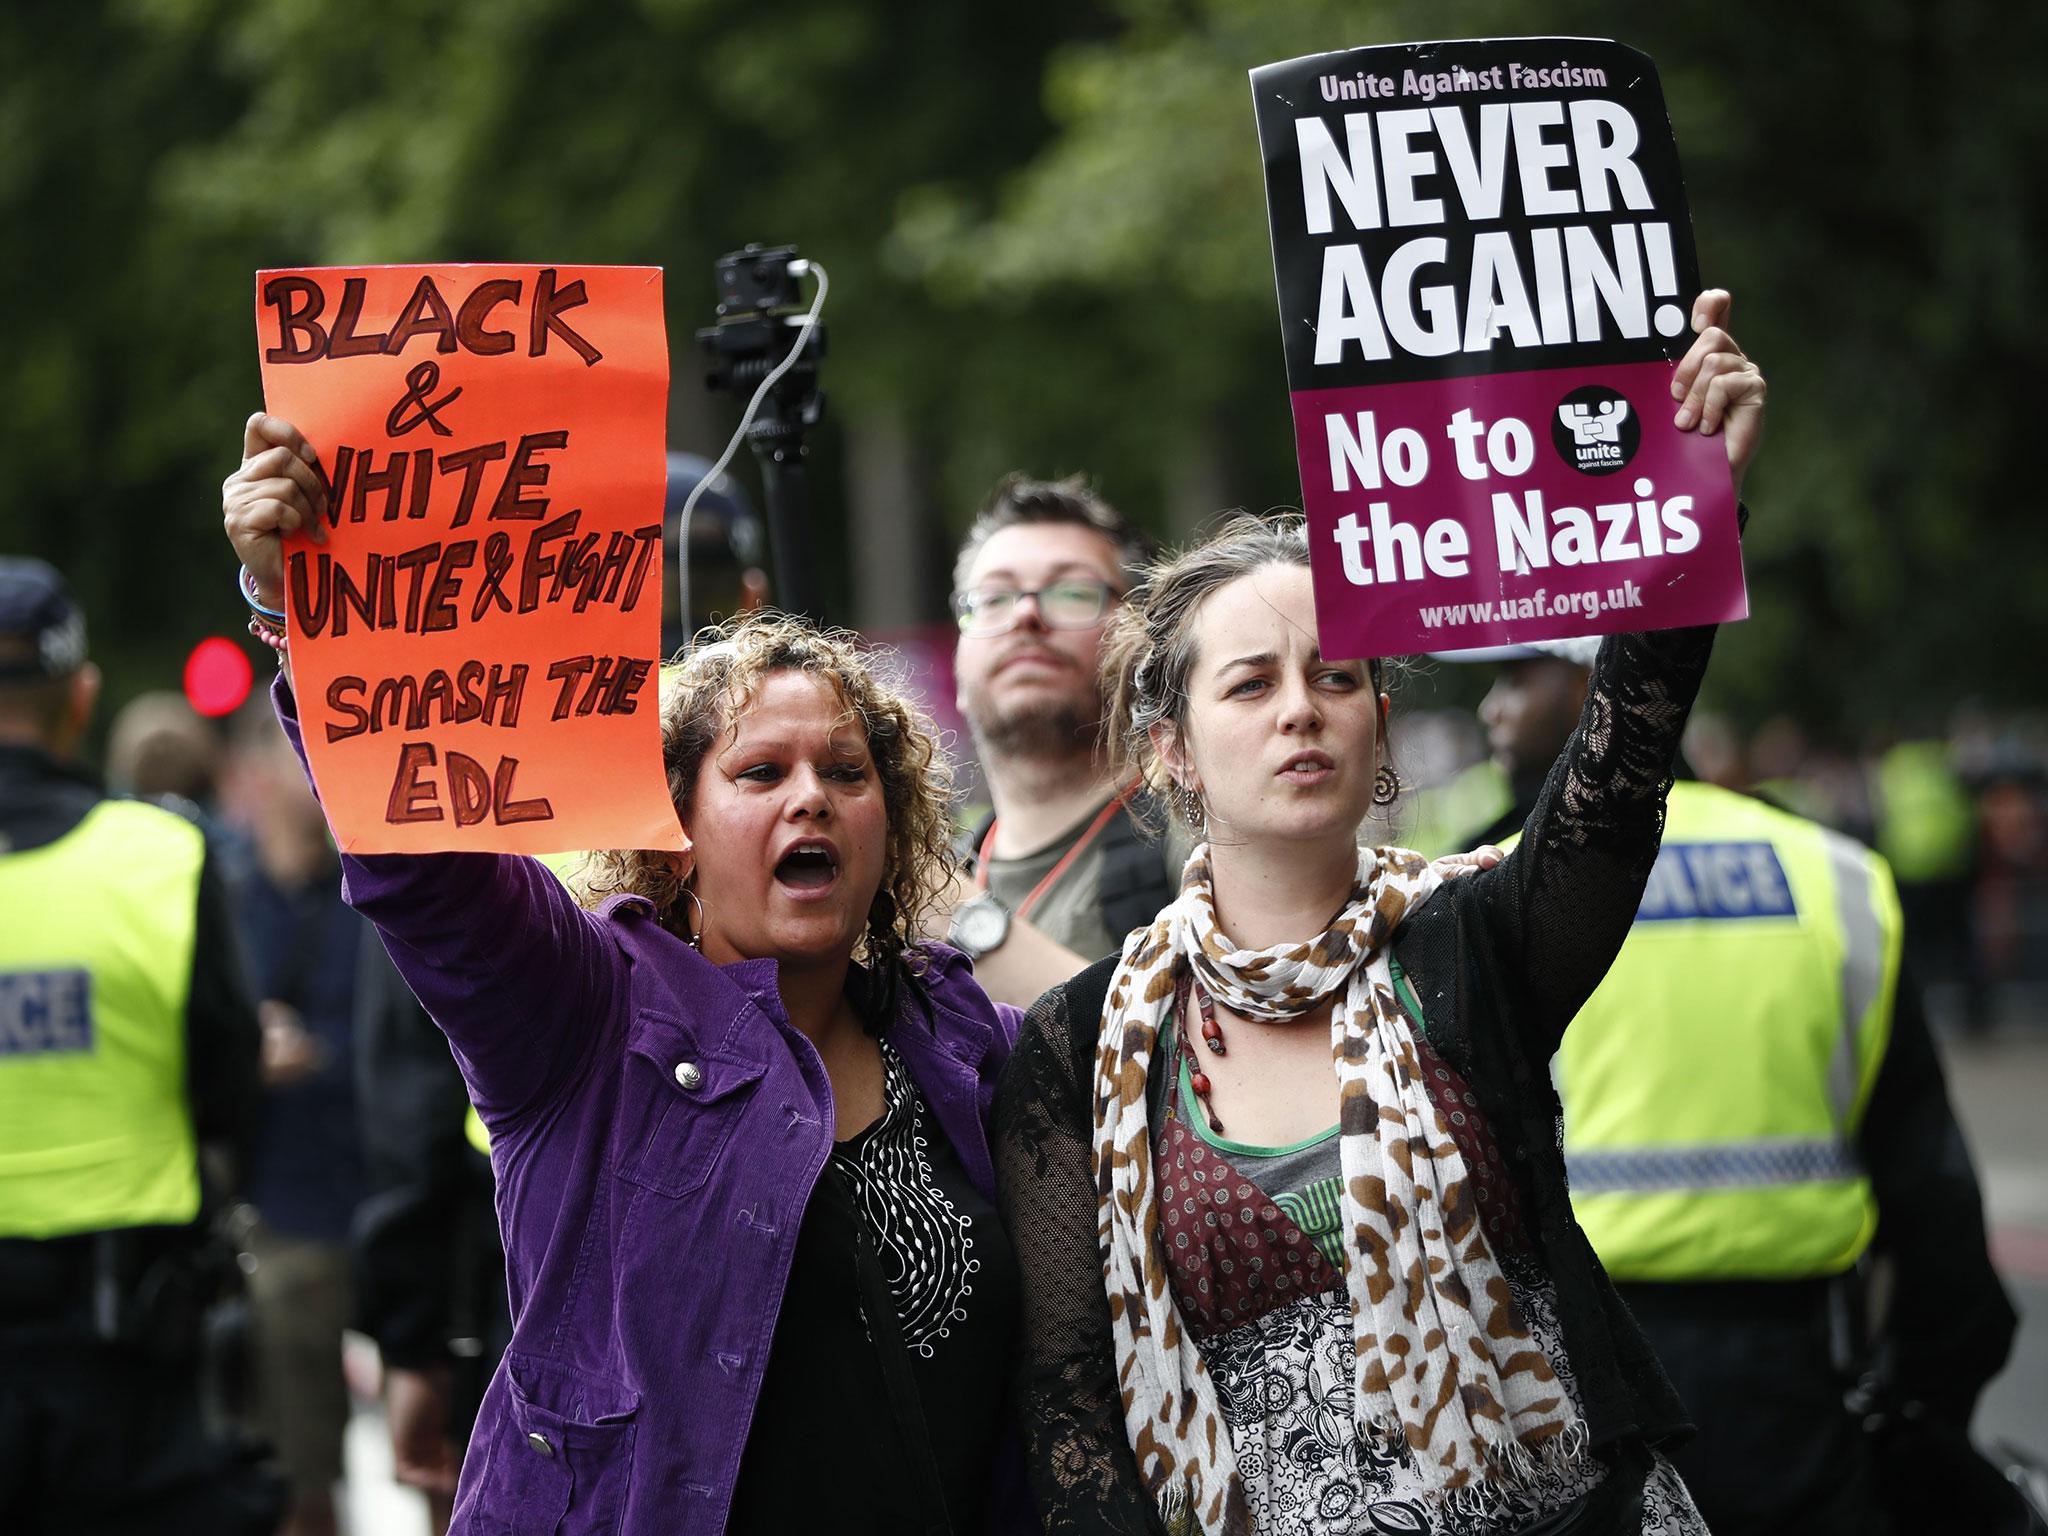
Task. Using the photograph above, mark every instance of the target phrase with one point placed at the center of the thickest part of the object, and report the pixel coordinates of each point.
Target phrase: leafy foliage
(1046, 229)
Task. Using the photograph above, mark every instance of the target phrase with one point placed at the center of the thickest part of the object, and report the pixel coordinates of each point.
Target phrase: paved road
(377, 1506)
(2000, 1089)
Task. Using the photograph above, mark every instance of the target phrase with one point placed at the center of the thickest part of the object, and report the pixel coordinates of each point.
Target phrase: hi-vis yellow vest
(1714, 1084)
(96, 940)
(1446, 817)
(1926, 825)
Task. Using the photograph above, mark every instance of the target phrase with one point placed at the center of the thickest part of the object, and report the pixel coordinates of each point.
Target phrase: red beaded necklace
(1212, 1036)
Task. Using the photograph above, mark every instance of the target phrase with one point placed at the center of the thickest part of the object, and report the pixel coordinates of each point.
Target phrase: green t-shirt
(1070, 911)
(1306, 1180)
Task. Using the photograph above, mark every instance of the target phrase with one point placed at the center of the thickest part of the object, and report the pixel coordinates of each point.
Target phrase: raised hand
(1717, 387)
(276, 491)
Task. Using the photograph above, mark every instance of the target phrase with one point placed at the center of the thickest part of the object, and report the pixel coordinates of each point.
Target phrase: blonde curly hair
(703, 691)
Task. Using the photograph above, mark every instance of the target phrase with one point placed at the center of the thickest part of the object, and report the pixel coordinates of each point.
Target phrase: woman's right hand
(276, 491)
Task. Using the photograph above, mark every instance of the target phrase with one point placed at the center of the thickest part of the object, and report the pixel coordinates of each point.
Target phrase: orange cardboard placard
(475, 646)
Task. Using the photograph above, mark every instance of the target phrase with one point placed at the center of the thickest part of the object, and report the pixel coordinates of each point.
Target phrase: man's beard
(1040, 730)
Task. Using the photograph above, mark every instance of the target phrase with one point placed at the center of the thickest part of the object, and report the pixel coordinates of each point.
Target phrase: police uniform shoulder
(180, 822)
(1769, 819)
(1795, 824)
(1736, 806)
(1842, 846)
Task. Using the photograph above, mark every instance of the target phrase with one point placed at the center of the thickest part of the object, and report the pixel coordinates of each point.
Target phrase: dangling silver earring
(1191, 807)
(696, 938)
(1386, 785)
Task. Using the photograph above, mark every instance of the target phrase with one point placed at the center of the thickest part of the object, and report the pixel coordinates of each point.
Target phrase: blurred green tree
(1046, 229)
(121, 354)
(1868, 179)
(158, 153)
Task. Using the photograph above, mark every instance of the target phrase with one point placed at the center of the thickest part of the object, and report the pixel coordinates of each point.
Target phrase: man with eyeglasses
(1063, 869)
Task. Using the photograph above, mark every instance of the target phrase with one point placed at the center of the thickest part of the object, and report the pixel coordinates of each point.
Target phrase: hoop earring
(1386, 785)
(1191, 807)
(696, 938)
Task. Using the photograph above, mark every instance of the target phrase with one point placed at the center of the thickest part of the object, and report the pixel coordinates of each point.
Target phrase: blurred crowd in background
(1962, 817)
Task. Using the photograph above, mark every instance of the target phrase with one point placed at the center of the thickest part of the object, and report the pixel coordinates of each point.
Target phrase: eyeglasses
(1072, 602)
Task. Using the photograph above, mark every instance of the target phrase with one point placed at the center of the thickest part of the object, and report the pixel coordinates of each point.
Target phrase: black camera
(764, 328)
(757, 280)
(760, 314)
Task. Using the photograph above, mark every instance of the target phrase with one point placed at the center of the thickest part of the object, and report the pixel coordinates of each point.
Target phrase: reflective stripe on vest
(1740, 1165)
(1868, 964)
(96, 942)
(1714, 1083)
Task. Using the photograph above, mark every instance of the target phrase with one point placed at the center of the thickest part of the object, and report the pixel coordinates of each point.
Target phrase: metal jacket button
(540, 1443)
(688, 1074)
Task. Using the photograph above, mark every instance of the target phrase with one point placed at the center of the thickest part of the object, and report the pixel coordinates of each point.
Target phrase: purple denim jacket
(656, 1127)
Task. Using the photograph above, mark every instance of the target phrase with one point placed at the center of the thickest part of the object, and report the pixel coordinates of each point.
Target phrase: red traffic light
(217, 677)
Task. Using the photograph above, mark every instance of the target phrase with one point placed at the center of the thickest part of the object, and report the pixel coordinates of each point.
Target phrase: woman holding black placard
(1262, 1300)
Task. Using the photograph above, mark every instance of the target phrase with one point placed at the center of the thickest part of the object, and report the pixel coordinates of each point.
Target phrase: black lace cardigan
(1501, 962)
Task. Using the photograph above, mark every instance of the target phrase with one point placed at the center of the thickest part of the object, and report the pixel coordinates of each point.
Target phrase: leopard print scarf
(1445, 1363)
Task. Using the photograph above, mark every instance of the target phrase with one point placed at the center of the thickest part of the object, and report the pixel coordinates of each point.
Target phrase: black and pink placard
(1486, 275)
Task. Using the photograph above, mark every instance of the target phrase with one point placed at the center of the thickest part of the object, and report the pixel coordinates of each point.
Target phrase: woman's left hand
(1718, 388)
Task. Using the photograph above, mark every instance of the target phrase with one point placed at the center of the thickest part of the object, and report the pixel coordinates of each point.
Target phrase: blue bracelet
(246, 585)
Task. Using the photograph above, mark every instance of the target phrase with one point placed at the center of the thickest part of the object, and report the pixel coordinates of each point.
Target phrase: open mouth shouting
(808, 868)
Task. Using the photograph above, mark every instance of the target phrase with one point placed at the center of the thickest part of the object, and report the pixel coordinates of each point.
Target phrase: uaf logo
(1595, 431)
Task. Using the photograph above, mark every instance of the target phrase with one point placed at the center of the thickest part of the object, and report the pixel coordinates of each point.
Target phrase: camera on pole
(765, 329)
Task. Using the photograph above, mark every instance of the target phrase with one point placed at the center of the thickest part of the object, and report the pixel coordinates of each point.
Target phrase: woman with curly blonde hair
(737, 1111)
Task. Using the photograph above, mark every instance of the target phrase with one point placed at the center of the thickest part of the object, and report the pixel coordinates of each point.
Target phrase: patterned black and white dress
(825, 1446)
(928, 1245)
(1255, 1246)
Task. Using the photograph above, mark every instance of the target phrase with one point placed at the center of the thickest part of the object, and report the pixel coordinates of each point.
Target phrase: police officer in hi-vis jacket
(1755, 1118)
(127, 1040)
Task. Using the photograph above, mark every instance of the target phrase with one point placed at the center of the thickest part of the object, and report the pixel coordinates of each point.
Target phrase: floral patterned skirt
(1285, 1380)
